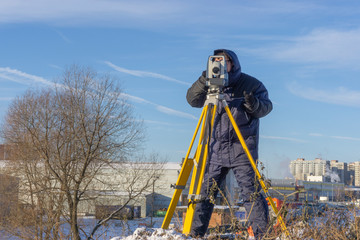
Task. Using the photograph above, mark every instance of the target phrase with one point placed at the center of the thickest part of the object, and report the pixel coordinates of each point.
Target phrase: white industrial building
(156, 197)
(113, 193)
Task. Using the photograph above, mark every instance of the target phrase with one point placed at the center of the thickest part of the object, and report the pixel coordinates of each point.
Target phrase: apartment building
(332, 171)
(356, 173)
(301, 168)
(340, 168)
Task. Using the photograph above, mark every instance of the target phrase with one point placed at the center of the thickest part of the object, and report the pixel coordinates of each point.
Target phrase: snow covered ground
(140, 229)
(153, 234)
(137, 229)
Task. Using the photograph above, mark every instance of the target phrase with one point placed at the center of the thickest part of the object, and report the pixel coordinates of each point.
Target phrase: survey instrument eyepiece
(216, 73)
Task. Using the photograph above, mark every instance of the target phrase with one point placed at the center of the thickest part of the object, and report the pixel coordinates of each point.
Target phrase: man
(248, 101)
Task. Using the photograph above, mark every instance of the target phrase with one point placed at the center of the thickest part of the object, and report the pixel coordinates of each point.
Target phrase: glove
(202, 78)
(250, 100)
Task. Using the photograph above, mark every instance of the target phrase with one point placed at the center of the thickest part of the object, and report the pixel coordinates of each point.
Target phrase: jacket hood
(235, 72)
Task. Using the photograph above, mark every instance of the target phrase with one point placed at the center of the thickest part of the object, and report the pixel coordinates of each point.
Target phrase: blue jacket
(225, 148)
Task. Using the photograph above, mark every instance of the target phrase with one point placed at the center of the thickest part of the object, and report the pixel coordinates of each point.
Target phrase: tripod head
(216, 78)
(216, 74)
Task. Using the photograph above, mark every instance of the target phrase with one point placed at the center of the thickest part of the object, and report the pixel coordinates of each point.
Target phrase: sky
(307, 54)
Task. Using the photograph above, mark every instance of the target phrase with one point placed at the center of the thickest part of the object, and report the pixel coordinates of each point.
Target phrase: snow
(144, 233)
(137, 229)
(140, 229)
(115, 229)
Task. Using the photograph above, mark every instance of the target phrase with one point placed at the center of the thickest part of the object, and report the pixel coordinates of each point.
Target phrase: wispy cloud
(82, 12)
(70, 12)
(340, 47)
(161, 123)
(335, 48)
(316, 134)
(136, 99)
(28, 79)
(138, 73)
(160, 108)
(283, 138)
(175, 112)
(346, 138)
(22, 77)
(13, 79)
(63, 37)
(56, 66)
(339, 96)
(335, 137)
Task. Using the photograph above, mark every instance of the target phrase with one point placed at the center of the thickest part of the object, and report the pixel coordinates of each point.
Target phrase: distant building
(301, 168)
(350, 174)
(357, 174)
(315, 178)
(284, 187)
(293, 190)
(340, 168)
(331, 171)
(99, 194)
(314, 190)
(158, 197)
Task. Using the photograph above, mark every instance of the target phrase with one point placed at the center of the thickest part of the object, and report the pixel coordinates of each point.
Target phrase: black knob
(216, 70)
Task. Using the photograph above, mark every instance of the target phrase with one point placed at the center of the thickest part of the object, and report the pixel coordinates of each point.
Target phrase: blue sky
(307, 53)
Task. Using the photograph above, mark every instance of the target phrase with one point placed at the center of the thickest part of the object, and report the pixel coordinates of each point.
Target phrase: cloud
(138, 73)
(336, 137)
(27, 79)
(56, 66)
(339, 96)
(155, 14)
(21, 77)
(136, 99)
(160, 108)
(82, 12)
(339, 47)
(175, 112)
(161, 123)
(346, 138)
(13, 79)
(283, 138)
(63, 37)
(329, 47)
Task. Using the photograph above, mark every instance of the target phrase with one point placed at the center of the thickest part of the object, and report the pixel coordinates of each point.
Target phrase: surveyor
(248, 101)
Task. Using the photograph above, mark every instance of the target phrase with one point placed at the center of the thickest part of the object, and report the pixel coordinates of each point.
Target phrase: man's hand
(249, 99)
(202, 78)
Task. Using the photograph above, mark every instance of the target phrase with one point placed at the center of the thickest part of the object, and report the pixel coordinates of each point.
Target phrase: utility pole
(153, 200)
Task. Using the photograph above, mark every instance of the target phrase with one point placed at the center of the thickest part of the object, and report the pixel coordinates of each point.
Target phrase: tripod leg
(199, 170)
(180, 185)
(183, 177)
(252, 162)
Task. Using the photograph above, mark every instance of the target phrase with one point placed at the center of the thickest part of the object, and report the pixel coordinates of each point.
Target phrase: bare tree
(38, 187)
(63, 136)
(135, 179)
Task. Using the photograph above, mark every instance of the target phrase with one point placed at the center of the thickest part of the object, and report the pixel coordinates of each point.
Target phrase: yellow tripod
(199, 163)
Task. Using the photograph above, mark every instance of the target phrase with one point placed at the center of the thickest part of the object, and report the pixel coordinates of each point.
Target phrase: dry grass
(331, 223)
(304, 223)
(313, 221)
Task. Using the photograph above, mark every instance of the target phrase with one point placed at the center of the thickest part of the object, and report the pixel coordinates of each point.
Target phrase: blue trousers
(245, 177)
